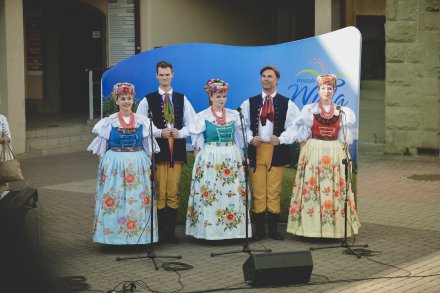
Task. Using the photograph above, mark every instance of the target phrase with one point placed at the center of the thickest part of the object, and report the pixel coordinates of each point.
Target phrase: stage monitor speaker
(278, 268)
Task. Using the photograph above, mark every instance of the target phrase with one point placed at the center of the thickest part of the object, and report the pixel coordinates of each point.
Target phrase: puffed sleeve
(304, 123)
(239, 140)
(196, 128)
(348, 119)
(5, 131)
(100, 144)
(149, 145)
(5, 126)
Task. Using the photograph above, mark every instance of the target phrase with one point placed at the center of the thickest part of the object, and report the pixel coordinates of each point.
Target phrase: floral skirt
(123, 199)
(317, 203)
(217, 201)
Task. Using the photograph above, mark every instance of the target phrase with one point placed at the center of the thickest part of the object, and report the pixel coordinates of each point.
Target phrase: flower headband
(327, 79)
(123, 88)
(216, 85)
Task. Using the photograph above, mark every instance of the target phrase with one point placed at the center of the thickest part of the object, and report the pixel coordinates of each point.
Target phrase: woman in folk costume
(319, 190)
(123, 192)
(5, 138)
(217, 202)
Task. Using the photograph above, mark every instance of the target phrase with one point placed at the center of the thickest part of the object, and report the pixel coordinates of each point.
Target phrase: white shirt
(4, 125)
(288, 136)
(188, 113)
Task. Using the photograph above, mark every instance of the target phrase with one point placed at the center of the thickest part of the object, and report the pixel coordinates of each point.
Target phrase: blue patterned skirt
(123, 199)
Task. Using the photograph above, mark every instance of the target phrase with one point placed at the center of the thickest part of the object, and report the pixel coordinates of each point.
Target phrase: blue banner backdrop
(299, 62)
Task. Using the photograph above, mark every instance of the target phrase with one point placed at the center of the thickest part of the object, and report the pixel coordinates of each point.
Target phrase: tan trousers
(266, 184)
(168, 185)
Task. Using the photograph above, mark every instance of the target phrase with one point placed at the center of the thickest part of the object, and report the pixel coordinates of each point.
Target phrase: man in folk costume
(171, 113)
(269, 119)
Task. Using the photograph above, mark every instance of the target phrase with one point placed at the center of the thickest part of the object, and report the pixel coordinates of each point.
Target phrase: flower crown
(327, 79)
(216, 85)
(123, 88)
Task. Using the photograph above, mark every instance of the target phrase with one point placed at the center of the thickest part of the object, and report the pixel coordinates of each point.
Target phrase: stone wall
(412, 92)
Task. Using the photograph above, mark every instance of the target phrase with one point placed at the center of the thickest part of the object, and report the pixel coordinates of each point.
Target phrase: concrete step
(58, 140)
(367, 147)
(58, 130)
(59, 149)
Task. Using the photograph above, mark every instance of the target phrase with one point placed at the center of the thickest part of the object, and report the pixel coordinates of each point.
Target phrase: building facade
(48, 46)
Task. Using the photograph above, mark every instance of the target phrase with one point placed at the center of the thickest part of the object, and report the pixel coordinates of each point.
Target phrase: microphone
(239, 112)
(339, 108)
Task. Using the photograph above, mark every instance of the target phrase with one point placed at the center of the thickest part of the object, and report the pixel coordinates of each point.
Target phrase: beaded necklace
(326, 114)
(124, 125)
(220, 120)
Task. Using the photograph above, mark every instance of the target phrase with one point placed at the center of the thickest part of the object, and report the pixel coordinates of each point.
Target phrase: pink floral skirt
(317, 203)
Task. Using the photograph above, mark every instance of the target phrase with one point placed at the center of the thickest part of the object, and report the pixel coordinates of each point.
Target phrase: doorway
(372, 29)
(81, 48)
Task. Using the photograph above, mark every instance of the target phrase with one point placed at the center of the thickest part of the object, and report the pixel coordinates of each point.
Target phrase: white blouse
(305, 122)
(104, 127)
(5, 126)
(198, 126)
(5, 131)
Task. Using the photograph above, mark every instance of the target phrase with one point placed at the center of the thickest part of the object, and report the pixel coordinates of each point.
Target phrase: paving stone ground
(399, 217)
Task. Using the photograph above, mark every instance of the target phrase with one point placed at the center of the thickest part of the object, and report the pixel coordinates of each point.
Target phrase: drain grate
(424, 177)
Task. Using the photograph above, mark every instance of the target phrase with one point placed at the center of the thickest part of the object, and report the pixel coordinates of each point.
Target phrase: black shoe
(171, 226)
(172, 238)
(276, 236)
(272, 222)
(161, 223)
(260, 225)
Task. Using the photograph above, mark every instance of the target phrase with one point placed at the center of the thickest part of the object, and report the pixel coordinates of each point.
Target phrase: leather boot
(171, 225)
(162, 222)
(260, 223)
(272, 222)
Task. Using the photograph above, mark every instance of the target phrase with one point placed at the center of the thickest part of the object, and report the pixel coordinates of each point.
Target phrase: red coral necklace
(124, 125)
(326, 114)
(220, 120)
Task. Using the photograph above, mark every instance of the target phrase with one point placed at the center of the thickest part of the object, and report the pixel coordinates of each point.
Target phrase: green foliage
(109, 106)
(185, 186)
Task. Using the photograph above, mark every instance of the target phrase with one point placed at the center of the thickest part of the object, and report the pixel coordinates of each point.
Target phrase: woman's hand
(4, 139)
(301, 144)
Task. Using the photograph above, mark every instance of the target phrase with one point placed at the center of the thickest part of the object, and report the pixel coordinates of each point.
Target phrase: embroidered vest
(155, 104)
(280, 104)
(325, 129)
(126, 140)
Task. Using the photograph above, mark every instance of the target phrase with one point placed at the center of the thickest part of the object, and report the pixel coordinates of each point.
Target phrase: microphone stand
(346, 161)
(150, 252)
(245, 247)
